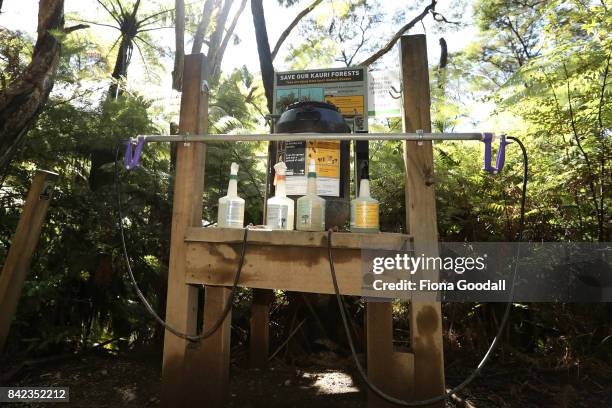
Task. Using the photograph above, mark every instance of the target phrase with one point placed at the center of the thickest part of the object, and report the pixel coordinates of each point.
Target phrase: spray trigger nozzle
(280, 168)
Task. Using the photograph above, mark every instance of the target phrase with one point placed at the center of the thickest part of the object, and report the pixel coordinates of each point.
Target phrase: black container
(322, 117)
(311, 116)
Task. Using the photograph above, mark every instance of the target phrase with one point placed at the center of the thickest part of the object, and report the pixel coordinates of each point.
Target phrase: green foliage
(563, 101)
(15, 53)
(339, 31)
(509, 36)
(77, 292)
(230, 114)
(387, 175)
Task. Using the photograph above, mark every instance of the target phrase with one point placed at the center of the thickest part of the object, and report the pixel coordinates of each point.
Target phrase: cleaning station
(305, 245)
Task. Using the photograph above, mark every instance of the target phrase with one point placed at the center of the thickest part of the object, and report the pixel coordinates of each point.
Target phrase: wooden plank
(179, 380)
(259, 342)
(299, 269)
(425, 316)
(301, 238)
(22, 248)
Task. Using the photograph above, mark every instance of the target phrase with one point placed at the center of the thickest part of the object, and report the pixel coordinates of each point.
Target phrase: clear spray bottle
(280, 211)
(231, 207)
(364, 209)
(311, 207)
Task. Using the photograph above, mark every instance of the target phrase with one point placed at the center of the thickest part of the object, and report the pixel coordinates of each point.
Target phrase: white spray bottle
(311, 207)
(231, 207)
(280, 211)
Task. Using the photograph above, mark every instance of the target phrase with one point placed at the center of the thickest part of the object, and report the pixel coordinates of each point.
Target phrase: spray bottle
(280, 211)
(231, 207)
(311, 207)
(364, 209)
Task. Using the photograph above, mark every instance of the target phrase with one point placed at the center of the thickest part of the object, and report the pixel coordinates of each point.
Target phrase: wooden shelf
(282, 260)
(344, 240)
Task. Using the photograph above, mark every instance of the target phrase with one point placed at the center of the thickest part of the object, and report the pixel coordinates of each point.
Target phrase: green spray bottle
(311, 207)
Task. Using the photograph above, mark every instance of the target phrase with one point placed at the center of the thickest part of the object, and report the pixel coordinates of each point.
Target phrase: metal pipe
(286, 137)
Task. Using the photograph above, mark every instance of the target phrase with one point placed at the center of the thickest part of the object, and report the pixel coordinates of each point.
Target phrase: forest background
(538, 70)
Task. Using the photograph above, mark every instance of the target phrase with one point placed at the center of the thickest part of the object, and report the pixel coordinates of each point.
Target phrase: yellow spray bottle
(364, 209)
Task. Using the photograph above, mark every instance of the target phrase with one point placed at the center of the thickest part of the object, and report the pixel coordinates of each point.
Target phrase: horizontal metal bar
(287, 137)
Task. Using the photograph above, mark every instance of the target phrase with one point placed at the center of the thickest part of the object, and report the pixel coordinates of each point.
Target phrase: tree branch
(584, 153)
(217, 68)
(68, 30)
(198, 38)
(440, 18)
(362, 42)
(603, 94)
(399, 33)
(99, 24)
(113, 13)
(292, 25)
(141, 22)
(518, 36)
(216, 36)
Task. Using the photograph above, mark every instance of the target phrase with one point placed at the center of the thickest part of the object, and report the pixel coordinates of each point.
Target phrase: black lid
(312, 116)
(312, 104)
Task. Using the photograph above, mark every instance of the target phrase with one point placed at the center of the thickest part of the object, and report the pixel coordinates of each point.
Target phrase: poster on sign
(384, 94)
(347, 89)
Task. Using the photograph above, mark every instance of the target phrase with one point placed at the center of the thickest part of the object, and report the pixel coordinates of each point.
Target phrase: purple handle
(133, 161)
(500, 160)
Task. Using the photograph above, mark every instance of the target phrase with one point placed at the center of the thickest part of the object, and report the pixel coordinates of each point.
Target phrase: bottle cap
(312, 169)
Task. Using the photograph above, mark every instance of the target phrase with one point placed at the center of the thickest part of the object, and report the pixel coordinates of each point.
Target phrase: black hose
(491, 348)
(228, 304)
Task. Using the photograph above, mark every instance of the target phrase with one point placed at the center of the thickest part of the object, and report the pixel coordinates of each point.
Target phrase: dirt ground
(320, 380)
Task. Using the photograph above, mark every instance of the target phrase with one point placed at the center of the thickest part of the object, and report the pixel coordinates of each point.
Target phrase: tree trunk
(22, 102)
(121, 66)
(217, 35)
(179, 55)
(263, 48)
(198, 38)
(267, 76)
(216, 69)
(106, 154)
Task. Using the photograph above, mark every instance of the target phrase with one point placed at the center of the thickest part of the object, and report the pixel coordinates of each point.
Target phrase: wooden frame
(198, 373)
(23, 245)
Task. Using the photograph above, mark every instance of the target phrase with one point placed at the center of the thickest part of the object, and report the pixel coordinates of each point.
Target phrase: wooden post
(425, 316)
(215, 361)
(22, 248)
(182, 378)
(259, 343)
(388, 370)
